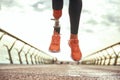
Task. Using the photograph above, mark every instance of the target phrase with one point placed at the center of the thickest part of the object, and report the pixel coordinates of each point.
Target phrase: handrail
(107, 56)
(45, 58)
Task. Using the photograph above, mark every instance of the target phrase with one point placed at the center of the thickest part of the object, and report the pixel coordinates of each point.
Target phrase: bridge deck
(59, 72)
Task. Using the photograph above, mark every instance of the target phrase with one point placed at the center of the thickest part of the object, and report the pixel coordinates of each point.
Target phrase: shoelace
(74, 45)
(55, 39)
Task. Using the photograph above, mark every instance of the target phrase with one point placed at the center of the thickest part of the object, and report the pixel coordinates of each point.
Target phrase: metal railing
(107, 56)
(16, 51)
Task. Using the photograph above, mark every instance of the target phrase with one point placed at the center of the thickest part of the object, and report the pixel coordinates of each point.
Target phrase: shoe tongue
(75, 41)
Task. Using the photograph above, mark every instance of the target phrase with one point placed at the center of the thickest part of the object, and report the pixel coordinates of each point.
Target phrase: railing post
(109, 57)
(104, 59)
(94, 60)
(116, 56)
(39, 59)
(100, 60)
(35, 57)
(26, 55)
(31, 56)
(2, 36)
(9, 51)
(19, 52)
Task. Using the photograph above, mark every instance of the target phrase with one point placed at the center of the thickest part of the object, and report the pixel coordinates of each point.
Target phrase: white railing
(16, 51)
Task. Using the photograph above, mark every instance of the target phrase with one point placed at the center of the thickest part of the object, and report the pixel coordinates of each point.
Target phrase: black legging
(75, 7)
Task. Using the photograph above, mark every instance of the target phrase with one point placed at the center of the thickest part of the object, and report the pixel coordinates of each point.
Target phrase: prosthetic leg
(57, 6)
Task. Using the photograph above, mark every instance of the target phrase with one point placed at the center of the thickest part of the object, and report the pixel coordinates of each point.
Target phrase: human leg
(75, 7)
(57, 6)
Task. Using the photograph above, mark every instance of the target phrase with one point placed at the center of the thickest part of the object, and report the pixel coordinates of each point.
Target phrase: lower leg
(57, 13)
(75, 7)
(57, 6)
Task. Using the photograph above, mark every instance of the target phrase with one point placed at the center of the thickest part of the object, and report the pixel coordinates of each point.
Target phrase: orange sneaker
(55, 43)
(75, 50)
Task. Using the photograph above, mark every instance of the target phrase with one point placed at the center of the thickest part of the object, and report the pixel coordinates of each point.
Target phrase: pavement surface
(59, 72)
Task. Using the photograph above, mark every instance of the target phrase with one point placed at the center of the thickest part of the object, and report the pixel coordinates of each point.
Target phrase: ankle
(74, 36)
(56, 30)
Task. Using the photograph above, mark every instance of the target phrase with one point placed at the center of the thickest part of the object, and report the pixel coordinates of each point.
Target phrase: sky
(30, 20)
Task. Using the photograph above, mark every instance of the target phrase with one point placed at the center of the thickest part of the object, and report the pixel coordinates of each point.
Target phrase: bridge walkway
(59, 72)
